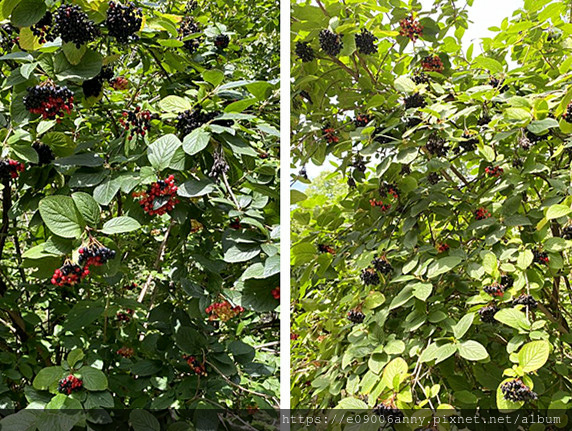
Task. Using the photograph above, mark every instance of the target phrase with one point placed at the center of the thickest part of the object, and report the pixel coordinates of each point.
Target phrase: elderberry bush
(516, 391)
(304, 51)
(73, 25)
(365, 42)
(123, 21)
(330, 42)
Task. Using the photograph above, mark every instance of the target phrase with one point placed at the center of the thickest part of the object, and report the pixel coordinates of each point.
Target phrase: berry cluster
(192, 119)
(220, 166)
(235, 224)
(494, 289)
(528, 139)
(540, 257)
(355, 316)
(484, 120)
(187, 27)
(433, 178)
(568, 113)
(442, 247)
(42, 29)
(304, 51)
(497, 83)
(388, 411)
(330, 135)
(389, 189)
(416, 100)
(49, 100)
(365, 42)
(119, 83)
(324, 248)
(130, 287)
(330, 42)
(516, 391)
(482, 213)
(567, 232)
(45, 153)
(506, 281)
(8, 36)
(382, 205)
(437, 146)
(69, 384)
(94, 86)
(126, 352)
(432, 63)
(95, 254)
(124, 316)
(221, 41)
(382, 265)
(137, 122)
(526, 300)
(69, 274)
(196, 366)
(123, 21)
(160, 197)
(359, 163)
(420, 78)
(10, 169)
(276, 293)
(223, 311)
(488, 312)
(410, 28)
(73, 25)
(351, 183)
(494, 171)
(362, 120)
(369, 277)
(469, 142)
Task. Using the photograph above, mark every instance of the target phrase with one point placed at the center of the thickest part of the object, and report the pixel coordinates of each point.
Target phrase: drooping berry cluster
(220, 166)
(506, 281)
(442, 247)
(49, 100)
(221, 41)
(567, 232)
(420, 78)
(382, 265)
(432, 63)
(568, 113)
(235, 224)
(494, 171)
(95, 254)
(497, 83)
(494, 289)
(137, 122)
(119, 83)
(488, 312)
(42, 29)
(196, 366)
(123, 21)
(94, 86)
(389, 189)
(276, 293)
(540, 257)
(73, 25)
(355, 316)
(526, 300)
(187, 27)
(365, 42)
(330, 42)
(362, 120)
(388, 411)
(330, 135)
(304, 51)
(126, 352)
(351, 183)
(8, 37)
(369, 277)
(223, 311)
(160, 197)
(190, 120)
(409, 27)
(383, 206)
(69, 274)
(415, 100)
(516, 391)
(528, 139)
(10, 169)
(124, 316)
(469, 142)
(433, 178)
(359, 164)
(324, 248)
(45, 153)
(482, 213)
(437, 146)
(69, 384)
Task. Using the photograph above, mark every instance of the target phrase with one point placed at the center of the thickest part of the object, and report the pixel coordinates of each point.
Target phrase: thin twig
(232, 196)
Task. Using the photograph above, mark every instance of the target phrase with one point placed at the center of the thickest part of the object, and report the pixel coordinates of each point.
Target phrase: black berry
(389, 412)
(369, 277)
(540, 257)
(365, 42)
(516, 391)
(123, 21)
(494, 289)
(382, 265)
(330, 42)
(362, 120)
(507, 281)
(526, 300)
(43, 28)
(469, 142)
(45, 153)
(437, 146)
(433, 178)
(95, 254)
(488, 312)
(187, 27)
(568, 113)
(49, 100)
(416, 100)
(137, 122)
(359, 163)
(355, 316)
(304, 51)
(73, 25)
(409, 27)
(567, 232)
(159, 198)
(222, 41)
(192, 119)
(420, 78)
(69, 274)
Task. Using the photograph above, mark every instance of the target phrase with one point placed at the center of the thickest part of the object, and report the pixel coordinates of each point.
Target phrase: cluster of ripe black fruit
(362, 120)
(74, 26)
(567, 232)
(507, 281)
(568, 113)
(433, 178)
(494, 289)
(469, 142)
(526, 300)
(528, 139)
(137, 122)
(123, 21)
(222, 41)
(95, 254)
(497, 83)
(388, 411)
(355, 316)
(420, 78)
(190, 120)
(49, 100)
(330, 42)
(365, 42)
(488, 312)
(304, 51)
(382, 265)
(42, 29)
(437, 146)
(359, 163)
(187, 27)
(516, 391)
(94, 86)
(415, 100)
(45, 153)
(370, 275)
(540, 257)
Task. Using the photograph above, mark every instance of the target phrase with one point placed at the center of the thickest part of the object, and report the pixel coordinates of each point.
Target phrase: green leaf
(93, 379)
(106, 191)
(422, 291)
(524, 259)
(444, 352)
(196, 187)
(443, 265)
(142, 420)
(533, 355)
(404, 84)
(61, 216)
(540, 126)
(47, 377)
(82, 314)
(120, 224)
(88, 67)
(557, 211)
(351, 404)
(397, 368)
(196, 141)
(161, 152)
(463, 325)
(513, 318)
(74, 356)
(213, 76)
(473, 350)
(28, 12)
(488, 63)
(504, 405)
(88, 208)
(175, 104)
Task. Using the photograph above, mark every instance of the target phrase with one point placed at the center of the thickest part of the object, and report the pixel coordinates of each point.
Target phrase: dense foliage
(431, 269)
(139, 263)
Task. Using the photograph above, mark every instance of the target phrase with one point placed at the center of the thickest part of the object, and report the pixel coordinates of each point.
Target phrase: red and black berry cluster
(325, 248)
(432, 63)
(42, 29)
(411, 28)
(126, 352)
(95, 254)
(482, 213)
(330, 135)
(69, 274)
(160, 197)
(494, 289)
(69, 384)
(137, 122)
(125, 316)
(196, 366)
(49, 100)
(223, 311)
(356, 316)
(494, 171)
(540, 257)
(10, 169)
